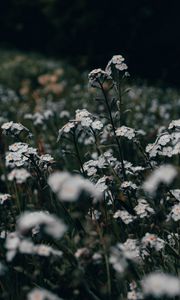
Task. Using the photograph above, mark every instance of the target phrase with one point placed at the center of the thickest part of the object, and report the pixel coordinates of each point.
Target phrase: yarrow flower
(152, 241)
(50, 223)
(97, 77)
(143, 209)
(175, 213)
(19, 175)
(164, 174)
(117, 61)
(124, 216)
(14, 128)
(125, 131)
(4, 198)
(161, 285)
(41, 294)
(69, 187)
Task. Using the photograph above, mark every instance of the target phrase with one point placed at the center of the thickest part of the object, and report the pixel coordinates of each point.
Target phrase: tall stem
(78, 154)
(114, 131)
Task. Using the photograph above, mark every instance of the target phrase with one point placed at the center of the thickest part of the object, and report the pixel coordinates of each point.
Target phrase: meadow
(89, 183)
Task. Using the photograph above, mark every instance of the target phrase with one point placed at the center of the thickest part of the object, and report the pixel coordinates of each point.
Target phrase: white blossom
(4, 198)
(41, 294)
(164, 174)
(51, 224)
(124, 216)
(19, 175)
(125, 131)
(175, 212)
(69, 187)
(161, 284)
(152, 241)
(143, 209)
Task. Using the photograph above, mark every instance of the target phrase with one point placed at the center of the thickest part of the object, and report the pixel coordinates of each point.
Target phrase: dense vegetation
(89, 183)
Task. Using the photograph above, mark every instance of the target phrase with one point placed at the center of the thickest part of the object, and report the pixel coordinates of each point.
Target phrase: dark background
(89, 32)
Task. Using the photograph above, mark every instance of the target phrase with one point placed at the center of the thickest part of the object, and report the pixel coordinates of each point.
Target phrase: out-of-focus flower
(50, 223)
(69, 187)
(41, 294)
(164, 174)
(124, 216)
(19, 175)
(161, 285)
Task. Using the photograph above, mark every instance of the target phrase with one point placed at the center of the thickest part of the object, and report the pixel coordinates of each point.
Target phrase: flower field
(89, 183)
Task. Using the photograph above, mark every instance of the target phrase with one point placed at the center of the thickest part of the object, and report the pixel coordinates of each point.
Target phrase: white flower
(41, 294)
(174, 124)
(11, 244)
(160, 284)
(117, 259)
(164, 174)
(97, 76)
(175, 212)
(19, 175)
(176, 193)
(164, 139)
(13, 128)
(69, 187)
(82, 252)
(81, 114)
(126, 132)
(4, 198)
(130, 249)
(44, 250)
(143, 209)
(101, 184)
(51, 224)
(66, 128)
(97, 125)
(118, 62)
(152, 241)
(124, 216)
(128, 184)
(86, 122)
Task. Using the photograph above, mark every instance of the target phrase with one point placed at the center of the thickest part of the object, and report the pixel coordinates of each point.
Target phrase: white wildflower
(125, 132)
(97, 77)
(174, 124)
(19, 175)
(41, 294)
(161, 284)
(4, 198)
(164, 174)
(124, 216)
(175, 212)
(143, 209)
(69, 187)
(118, 62)
(97, 125)
(152, 241)
(128, 184)
(13, 128)
(51, 224)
